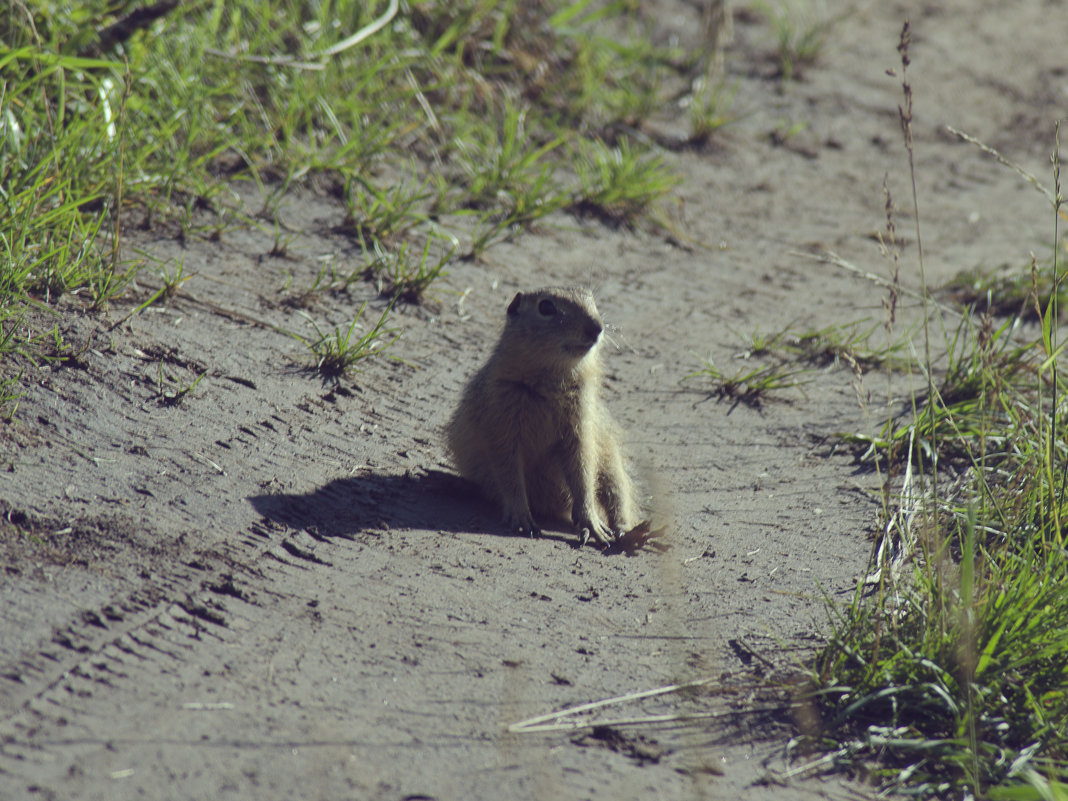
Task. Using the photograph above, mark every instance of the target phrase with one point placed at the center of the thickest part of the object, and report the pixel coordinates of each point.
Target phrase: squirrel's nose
(593, 330)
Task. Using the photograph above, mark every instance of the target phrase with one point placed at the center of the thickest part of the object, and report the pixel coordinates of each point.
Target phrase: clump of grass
(56, 350)
(171, 391)
(789, 355)
(603, 84)
(9, 395)
(406, 278)
(511, 182)
(973, 396)
(502, 168)
(172, 278)
(710, 110)
(10, 324)
(947, 675)
(1006, 293)
(802, 28)
(749, 385)
(336, 353)
(850, 343)
(785, 130)
(951, 674)
(955, 678)
(380, 215)
(618, 184)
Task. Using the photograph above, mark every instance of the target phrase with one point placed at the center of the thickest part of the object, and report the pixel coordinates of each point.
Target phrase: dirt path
(272, 588)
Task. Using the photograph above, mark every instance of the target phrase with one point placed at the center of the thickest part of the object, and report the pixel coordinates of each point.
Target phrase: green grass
(802, 28)
(379, 214)
(9, 345)
(617, 184)
(944, 677)
(849, 344)
(407, 278)
(337, 352)
(975, 395)
(710, 110)
(471, 120)
(748, 385)
(947, 674)
(1007, 293)
(788, 359)
(172, 390)
(768, 366)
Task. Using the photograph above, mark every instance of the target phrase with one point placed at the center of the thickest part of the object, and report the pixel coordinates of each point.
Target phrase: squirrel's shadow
(347, 507)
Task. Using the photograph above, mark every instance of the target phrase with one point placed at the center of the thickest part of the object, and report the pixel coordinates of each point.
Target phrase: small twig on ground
(558, 721)
(1010, 164)
(830, 257)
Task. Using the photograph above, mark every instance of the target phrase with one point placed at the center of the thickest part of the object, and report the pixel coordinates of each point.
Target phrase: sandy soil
(275, 589)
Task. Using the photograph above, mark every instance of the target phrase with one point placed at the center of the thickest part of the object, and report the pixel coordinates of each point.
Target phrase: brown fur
(531, 430)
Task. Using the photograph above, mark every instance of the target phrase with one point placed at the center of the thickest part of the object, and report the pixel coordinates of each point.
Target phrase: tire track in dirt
(181, 581)
(154, 630)
(195, 589)
(187, 645)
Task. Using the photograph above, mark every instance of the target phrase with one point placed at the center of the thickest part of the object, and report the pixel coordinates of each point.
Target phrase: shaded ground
(273, 588)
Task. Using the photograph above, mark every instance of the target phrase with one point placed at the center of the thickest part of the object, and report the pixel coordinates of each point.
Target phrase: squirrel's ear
(513, 307)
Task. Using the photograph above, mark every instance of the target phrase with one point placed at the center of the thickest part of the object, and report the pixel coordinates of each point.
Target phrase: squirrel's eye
(546, 308)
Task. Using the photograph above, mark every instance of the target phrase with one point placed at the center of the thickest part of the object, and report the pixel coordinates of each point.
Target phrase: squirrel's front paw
(594, 526)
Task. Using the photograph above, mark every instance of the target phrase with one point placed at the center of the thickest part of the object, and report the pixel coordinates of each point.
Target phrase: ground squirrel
(531, 430)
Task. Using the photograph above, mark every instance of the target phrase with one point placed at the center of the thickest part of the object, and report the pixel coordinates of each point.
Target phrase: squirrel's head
(559, 322)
